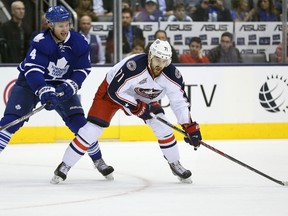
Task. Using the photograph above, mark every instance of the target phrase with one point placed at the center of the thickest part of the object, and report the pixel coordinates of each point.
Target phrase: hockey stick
(22, 118)
(220, 152)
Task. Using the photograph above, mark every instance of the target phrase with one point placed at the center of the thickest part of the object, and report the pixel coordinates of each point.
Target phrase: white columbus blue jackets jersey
(56, 62)
(130, 80)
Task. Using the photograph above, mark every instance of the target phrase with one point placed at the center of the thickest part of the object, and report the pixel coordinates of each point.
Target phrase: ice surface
(144, 184)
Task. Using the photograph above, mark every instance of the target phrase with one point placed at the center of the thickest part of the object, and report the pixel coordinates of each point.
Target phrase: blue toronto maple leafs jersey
(47, 62)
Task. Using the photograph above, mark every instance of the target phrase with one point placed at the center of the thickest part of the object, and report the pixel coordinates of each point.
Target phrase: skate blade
(109, 177)
(56, 180)
(185, 181)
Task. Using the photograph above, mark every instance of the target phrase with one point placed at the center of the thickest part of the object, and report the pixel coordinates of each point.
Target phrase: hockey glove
(193, 134)
(47, 95)
(66, 89)
(143, 110)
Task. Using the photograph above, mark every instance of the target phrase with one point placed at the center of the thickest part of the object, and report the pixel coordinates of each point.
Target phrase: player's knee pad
(9, 118)
(160, 130)
(90, 132)
(76, 122)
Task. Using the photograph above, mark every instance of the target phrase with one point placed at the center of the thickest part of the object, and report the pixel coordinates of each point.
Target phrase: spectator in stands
(161, 35)
(166, 6)
(44, 26)
(105, 8)
(85, 7)
(150, 12)
(278, 53)
(240, 11)
(225, 52)
(195, 55)
(265, 12)
(126, 4)
(201, 12)
(72, 3)
(98, 7)
(278, 6)
(97, 52)
(179, 14)
(16, 34)
(137, 47)
(222, 14)
(129, 33)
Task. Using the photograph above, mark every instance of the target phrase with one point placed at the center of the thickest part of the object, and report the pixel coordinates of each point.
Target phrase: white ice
(144, 184)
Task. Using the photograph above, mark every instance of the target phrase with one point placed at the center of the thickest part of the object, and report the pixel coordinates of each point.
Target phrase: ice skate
(182, 174)
(60, 174)
(104, 169)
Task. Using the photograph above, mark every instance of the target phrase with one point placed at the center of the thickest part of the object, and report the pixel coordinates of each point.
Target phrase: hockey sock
(75, 151)
(94, 151)
(169, 148)
(87, 136)
(5, 137)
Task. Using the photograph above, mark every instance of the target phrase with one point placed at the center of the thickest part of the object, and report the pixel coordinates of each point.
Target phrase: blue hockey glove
(143, 110)
(47, 95)
(193, 134)
(66, 89)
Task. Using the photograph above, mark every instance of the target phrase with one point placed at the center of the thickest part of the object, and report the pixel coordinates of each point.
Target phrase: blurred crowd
(16, 34)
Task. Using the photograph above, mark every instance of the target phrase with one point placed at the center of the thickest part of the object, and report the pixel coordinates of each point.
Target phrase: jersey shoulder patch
(172, 72)
(44, 43)
(135, 63)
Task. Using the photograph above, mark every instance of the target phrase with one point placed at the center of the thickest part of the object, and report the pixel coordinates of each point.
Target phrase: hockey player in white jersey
(135, 85)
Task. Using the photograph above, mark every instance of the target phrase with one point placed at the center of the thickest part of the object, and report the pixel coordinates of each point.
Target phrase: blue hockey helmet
(57, 14)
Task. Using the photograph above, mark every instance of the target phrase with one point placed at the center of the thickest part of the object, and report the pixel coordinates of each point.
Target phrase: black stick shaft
(222, 153)
(23, 118)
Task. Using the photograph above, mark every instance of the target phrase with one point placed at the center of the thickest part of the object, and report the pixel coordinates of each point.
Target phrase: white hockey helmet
(161, 49)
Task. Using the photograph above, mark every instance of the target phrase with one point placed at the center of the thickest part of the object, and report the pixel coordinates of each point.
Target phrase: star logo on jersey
(148, 93)
(58, 70)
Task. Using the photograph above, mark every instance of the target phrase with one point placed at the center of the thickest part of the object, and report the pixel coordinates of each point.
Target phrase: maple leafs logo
(58, 70)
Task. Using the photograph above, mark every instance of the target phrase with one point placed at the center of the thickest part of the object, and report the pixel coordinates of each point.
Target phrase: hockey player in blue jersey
(135, 85)
(53, 71)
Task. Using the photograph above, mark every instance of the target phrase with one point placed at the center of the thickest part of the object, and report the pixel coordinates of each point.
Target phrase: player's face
(157, 65)
(61, 30)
